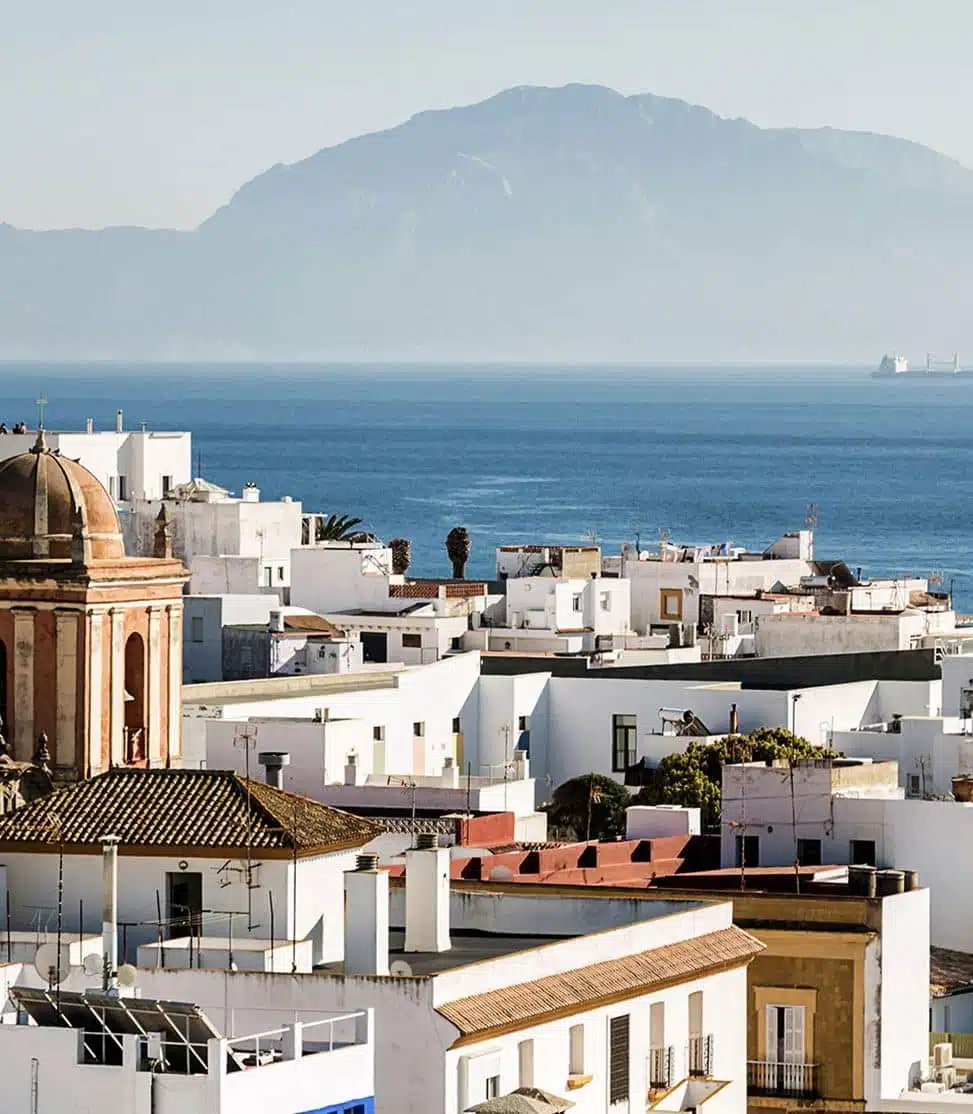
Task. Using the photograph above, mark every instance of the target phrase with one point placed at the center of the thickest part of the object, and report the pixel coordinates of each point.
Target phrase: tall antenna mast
(797, 857)
(40, 402)
(247, 737)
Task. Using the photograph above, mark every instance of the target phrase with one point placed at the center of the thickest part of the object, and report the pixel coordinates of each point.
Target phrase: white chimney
(450, 775)
(427, 896)
(119, 425)
(109, 911)
(251, 493)
(352, 771)
(89, 425)
(367, 918)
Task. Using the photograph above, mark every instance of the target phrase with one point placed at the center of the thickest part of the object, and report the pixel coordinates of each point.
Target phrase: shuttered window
(618, 1056)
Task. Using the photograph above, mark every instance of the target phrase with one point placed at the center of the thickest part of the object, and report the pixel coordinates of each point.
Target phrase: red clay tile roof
(186, 809)
(530, 1002)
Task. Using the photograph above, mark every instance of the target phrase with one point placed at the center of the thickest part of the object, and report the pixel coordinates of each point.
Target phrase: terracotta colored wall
(45, 678)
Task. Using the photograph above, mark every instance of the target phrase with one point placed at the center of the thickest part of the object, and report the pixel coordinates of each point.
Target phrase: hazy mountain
(569, 223)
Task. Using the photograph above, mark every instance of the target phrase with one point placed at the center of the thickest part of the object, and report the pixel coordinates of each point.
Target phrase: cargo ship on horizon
(894, 366)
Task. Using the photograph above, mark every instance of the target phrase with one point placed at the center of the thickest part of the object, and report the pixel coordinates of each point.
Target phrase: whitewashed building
(483, 994)
(231, 545)
(88, 1051)
(852, 812)
(131, 464)
(207, 862)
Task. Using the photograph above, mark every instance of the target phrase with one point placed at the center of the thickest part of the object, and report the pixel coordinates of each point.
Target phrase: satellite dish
(93, 964)
(127, 974)
(501, 874)
(47, 966)
(400, 967)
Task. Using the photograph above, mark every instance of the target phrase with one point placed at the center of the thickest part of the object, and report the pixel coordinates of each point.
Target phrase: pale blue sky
(139, 112)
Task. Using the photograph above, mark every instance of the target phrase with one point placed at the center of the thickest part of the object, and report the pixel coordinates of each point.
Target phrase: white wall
(905, 990)
(433, 695)
(142, 458)
(203, 660)
(331, 578)
(32, 883)
(930, 751)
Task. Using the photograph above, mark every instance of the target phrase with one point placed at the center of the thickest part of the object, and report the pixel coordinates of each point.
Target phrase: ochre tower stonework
(90, 640)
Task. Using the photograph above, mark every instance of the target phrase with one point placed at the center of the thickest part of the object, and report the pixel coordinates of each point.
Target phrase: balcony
(701, 1055)
(659, 1068)
(767, 1077)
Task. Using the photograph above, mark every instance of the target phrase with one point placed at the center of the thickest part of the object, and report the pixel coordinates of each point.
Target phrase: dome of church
(53, 508)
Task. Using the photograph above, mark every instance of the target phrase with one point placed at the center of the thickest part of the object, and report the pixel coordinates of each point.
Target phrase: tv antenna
(40, 402)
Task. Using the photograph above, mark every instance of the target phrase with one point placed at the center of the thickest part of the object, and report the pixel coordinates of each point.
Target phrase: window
(618, 1056)
(744, 617)
(670, 604)
(915, 788)
(456, 643)
(862, 852)
(700, 1045)
(412, 642)
(809, 852)
(457, 725)
(166, 484)
(605, 601)
(660, 1057)
(113, 486)
(577, 602)
(525, 1062)
(280, 574)
(785, 1034)
(493, 1087)
(197, 628)
(576, 1050)
(419, 729)
(748, 851)
(378, 733)
(122, 488)
(623, 742)
(523, 723)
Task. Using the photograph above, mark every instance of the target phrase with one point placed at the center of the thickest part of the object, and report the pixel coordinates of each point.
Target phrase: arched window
(136, 748)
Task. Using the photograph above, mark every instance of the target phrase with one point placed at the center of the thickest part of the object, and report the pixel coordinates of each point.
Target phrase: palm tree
(337, 528)
(401, 555)
(458, 547)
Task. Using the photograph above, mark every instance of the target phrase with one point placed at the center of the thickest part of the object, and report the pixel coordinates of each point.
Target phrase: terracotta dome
(53, 508)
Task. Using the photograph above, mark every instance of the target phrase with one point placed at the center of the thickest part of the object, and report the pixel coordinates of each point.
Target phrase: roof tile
(183, 808)
(528, 1002)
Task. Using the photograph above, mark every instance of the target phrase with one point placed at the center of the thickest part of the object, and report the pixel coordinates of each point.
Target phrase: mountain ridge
(539, 223)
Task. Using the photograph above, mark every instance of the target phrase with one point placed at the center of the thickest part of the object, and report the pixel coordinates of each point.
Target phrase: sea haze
(528, 454)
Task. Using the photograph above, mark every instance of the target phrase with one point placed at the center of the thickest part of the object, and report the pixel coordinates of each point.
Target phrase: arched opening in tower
(136, 747)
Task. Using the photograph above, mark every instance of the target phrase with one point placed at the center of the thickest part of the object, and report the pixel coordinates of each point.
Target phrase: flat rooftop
(468, 947)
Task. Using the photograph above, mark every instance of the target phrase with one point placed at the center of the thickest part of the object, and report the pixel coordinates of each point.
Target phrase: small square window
(577, 602)
(862, 852)
(419, 729)
(166, 484)
(280, 573)
(412, 642)
(122, 488)
(457, 725)
(809, 852)
(197, 628)
(670, 604)
(493, 1087)
(523, 723)
(378, 733)
(456, 643)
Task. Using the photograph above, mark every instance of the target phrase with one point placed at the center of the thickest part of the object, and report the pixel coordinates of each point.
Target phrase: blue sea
(531, 454)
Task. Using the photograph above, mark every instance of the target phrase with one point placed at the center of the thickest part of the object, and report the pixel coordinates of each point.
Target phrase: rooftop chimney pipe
(427, 896)
(119, 427)
(366, 918)
(273, 762)
(109, 911)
